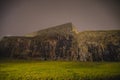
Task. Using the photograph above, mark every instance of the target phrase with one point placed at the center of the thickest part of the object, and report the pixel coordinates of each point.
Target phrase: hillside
(64, 29)
(63, 42)
(100, 45)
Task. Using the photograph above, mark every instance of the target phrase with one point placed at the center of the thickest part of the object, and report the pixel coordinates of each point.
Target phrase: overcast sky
(18, 17)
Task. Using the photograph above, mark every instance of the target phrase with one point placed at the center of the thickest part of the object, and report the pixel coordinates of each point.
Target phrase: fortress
(63, 42)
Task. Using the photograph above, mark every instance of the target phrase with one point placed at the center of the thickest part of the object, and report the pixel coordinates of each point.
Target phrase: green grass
(58, 70)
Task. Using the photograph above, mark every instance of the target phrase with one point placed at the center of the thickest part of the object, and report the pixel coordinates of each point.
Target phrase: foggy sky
(18, 17)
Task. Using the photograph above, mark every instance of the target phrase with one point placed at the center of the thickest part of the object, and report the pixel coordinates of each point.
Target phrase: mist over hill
(64, 29)
(63, 42)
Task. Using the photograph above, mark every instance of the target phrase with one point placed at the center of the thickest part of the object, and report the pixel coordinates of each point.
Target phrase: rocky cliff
(63, 42)
(99, 45)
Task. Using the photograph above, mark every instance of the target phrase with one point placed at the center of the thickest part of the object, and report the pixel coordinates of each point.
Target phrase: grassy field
(58, 70)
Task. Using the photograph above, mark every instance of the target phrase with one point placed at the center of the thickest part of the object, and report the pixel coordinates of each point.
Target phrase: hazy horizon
(19, 17)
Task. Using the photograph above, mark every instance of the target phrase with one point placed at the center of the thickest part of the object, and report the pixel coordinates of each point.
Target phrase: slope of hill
(100, 45)
(63, 42)
(64, 29)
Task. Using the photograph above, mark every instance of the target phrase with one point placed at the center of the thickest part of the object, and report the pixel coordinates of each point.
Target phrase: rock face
(63, 42)
(99, 45)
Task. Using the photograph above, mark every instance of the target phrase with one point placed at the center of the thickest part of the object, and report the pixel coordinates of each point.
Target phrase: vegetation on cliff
(63, 42)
